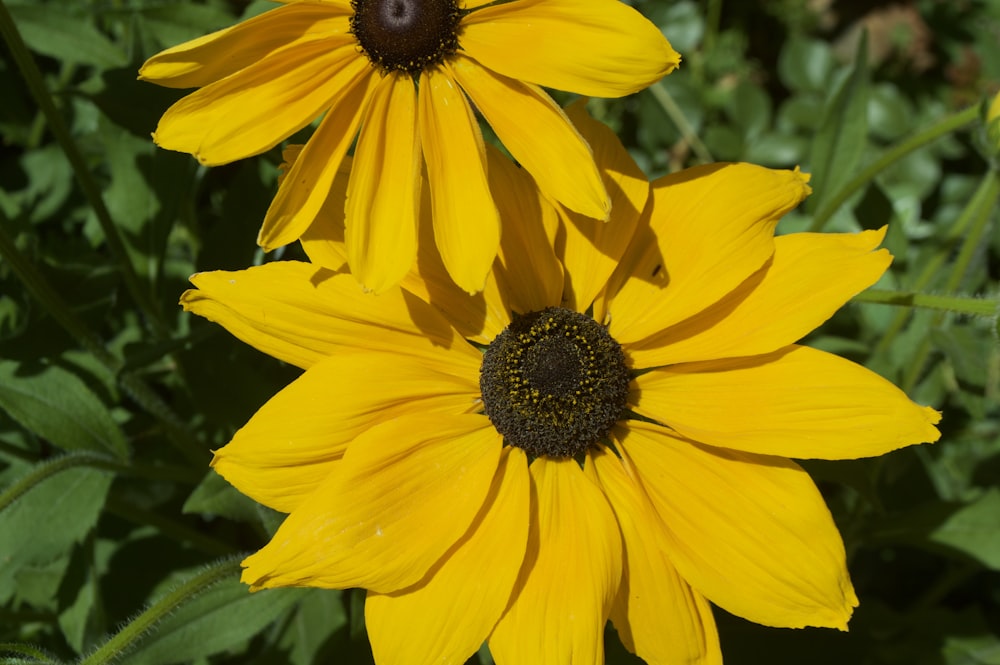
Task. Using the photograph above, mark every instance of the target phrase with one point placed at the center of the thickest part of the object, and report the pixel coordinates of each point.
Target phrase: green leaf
(843, 133)
(805, 64)
(316, 619)
(56, 405)
(52, 508)
(214, 496)
(978, 650)
(52, 31)
(82, 617)
(974, 530)
(221, 618)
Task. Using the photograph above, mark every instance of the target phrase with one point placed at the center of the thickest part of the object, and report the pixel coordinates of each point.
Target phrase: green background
(111, 398)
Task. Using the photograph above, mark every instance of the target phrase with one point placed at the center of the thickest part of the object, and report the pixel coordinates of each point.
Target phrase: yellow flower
(645, 377)
(400, 75)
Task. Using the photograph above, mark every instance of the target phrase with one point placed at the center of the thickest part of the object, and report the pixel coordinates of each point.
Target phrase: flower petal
(294, 441)
(207, 59)
(810, 276)
(383, 195)
(796, 402)
(528, 274)
(308, 185)
(538, 135)
(300, 313)
(252, 110)
(590, 250)
(657, 614)
(447, 617)
(703, 232)
(466, 222)
(571, 573)
(404, 493)
(750, 532)
(323, 239)
(602, 48)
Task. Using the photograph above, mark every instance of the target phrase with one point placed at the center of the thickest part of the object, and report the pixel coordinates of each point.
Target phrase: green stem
(135, 630)
(670, 107)
(29, 653)
(973, 239)
(984, 193)
(982, 204)
(135, 387)
(51, 301)
(712, 15)
(944, 126)
(36, 85)
(45, 471)
(955, 304)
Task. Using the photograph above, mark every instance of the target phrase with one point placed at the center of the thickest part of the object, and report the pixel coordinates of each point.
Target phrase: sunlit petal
(750, 532)
(602, 48)
(375, 523)
(796, 402)
(446, 617)
(571, 574)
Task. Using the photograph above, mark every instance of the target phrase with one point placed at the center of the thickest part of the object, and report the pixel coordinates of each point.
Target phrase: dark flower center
(406, 35)
(554, 383)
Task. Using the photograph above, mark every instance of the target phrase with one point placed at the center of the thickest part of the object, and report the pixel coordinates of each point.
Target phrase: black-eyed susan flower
(604, 432)
(406, 78)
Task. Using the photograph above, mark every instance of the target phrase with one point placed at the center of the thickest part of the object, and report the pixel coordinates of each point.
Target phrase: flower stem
(670, 107)
(986, 192)
(49, 469)
(135, 630)
(954, 304)
(980, 209)
(36, 85)
(944, 126)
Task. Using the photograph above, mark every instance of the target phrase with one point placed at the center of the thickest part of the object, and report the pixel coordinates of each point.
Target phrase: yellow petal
(466, 222)
(796, 402)
(657, 614)
(571, 573)
(252, 110)
(207, 59)
(308, 185)
(300, 313)
(590, 249)
(383, 195)
(446, 617)
(323, 239)
(810, 276)
(404, 493)
(529, 276)
(538, 135)
(478, 317)
(294, 441)
(703, 232)
(602, 48)
(750, 532)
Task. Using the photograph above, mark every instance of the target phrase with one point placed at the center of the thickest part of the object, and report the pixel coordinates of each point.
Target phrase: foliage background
(111, 398)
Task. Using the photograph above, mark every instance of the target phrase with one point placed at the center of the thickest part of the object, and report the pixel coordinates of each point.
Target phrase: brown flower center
(554, 383)
(406, 35)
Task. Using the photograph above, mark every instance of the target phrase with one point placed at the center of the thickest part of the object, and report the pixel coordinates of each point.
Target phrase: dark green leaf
(221, 618)
(974, 530)
(52, 30)
(843, 133)
(47, 518)
(214, 496)
(56, 405)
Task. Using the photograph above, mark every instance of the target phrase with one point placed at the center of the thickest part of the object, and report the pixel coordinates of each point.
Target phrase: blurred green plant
(117, 544)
